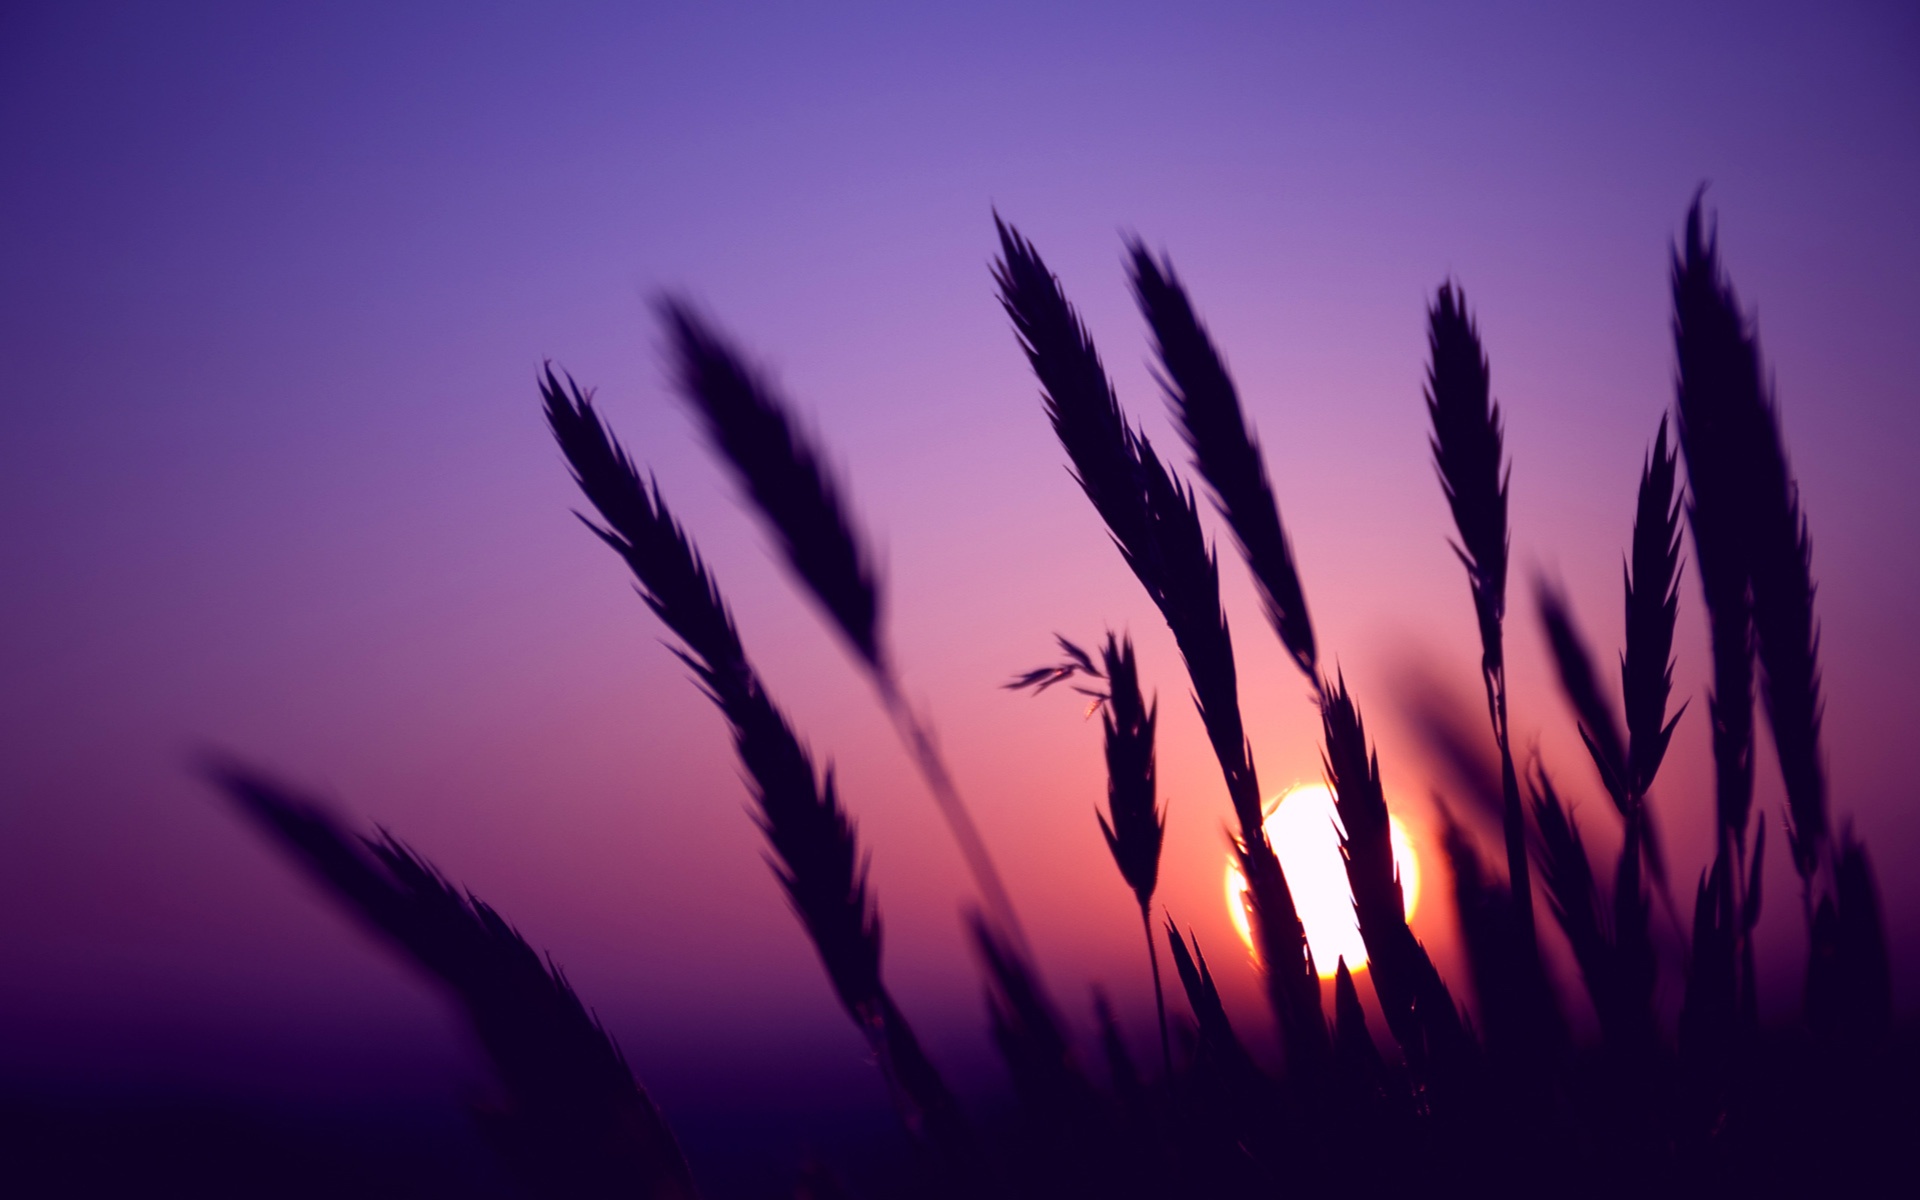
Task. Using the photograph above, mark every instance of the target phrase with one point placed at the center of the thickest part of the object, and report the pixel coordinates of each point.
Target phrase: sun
(1305, 832)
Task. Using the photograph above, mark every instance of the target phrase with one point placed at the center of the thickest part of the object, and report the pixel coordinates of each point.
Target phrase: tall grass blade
(1075, 662)
(1634, 966)
(815, 854)
(1206, 406)
(575, 1123)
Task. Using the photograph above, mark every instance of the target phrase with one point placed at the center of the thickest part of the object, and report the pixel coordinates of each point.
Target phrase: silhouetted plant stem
(1159, 996)
(1514, 824)
(925, 751)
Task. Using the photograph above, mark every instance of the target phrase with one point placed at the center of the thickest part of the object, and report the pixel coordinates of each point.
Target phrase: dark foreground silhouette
(1496, 1098)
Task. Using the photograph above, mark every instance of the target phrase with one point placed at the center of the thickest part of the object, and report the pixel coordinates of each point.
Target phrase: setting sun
(1305, 832)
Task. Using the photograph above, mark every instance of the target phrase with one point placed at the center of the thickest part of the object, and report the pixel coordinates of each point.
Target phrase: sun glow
(1305, 831)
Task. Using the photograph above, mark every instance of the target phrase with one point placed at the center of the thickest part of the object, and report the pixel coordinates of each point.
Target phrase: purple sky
(277, 280)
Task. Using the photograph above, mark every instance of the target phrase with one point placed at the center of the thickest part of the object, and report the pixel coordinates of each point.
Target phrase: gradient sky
(276, 282)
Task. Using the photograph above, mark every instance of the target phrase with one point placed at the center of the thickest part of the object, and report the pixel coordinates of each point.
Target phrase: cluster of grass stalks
(1498, 1098)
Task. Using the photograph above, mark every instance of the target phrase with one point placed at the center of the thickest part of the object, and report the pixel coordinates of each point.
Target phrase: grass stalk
(575, 1123)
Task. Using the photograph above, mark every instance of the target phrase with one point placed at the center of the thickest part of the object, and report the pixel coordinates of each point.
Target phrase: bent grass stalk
(815, 854)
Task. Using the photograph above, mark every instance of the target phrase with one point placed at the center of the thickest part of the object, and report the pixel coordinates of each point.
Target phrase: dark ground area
(158, 1146)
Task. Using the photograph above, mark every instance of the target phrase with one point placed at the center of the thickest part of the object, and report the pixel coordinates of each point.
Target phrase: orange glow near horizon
(1304, 830)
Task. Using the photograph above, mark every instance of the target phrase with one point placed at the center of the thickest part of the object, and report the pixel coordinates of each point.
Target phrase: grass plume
(574, 1123)
(1652, 584)
(1415, 1003)
(1745, 421)
(1717, 390)
(777, 465)
(1206, 406)
(1754, 556)
(751, 427)
(1468, 457)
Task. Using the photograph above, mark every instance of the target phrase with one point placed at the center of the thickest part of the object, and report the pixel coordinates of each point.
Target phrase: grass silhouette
(1495, 1101)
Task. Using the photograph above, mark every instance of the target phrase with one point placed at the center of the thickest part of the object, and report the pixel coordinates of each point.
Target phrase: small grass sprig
(1134, 825)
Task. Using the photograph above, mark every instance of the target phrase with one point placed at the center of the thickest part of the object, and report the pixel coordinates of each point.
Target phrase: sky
(276, 283)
